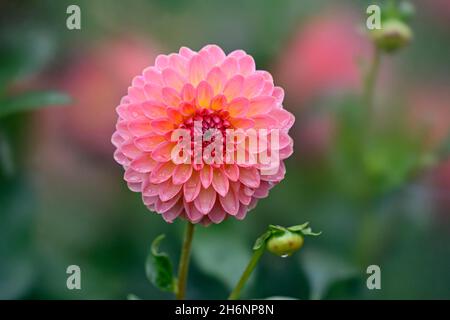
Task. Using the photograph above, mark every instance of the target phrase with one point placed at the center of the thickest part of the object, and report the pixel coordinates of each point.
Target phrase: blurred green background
(378, 187)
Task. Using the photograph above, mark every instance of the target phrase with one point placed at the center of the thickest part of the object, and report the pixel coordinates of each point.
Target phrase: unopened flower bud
(285, 244)
(394, 35)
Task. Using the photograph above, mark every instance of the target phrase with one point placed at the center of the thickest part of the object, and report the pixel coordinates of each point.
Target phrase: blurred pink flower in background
(429, 112)
(223, 92)
(323, 56)
(440, 180)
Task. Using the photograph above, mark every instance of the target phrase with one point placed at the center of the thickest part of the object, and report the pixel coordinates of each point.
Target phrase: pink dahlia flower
(199, 93)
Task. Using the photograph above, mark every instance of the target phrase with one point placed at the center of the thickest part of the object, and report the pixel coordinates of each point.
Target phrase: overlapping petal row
(222, 91)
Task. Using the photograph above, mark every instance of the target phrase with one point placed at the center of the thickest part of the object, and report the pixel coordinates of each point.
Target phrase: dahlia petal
(130, 150)
(163, 151)
(261, 105)
(149, 200)
(264, 122)
(164, 206)
(117, 139)
(231, 171)
(168, 190)
(138, 81)
(152, 75)
(215, 52)
(253, 85)
(186, 52)
(204, 94)
(179, 63)
(278, 176)
(154, 109)
(148, 143)
(262, 191)
(182, 173)
(192, 213)
(266, 75)
(173, 79)
(191, 188)
(237, 54)
(171, 97)
(136, 94)
(150, 189)
(238, 107)
(267, 89)
(139, 127)
(173, 212)
(220, 182)
(135, 186)
(133, 176)
(217, 214)
(143, 164)
(278, 93)
(246, 65)
(153, 92)
(242, 123)
(242, 212)
(174, 115)
(216, 78)
(188, 93)
(187, 109)
(197, 69)
(286, 152)
(162, 172)
(285, 118)
(230, 202)
(121, 158)
(161, 126)
(218, 102)
(233, 87)
(135, 111)
(249, 177)
(244, 198)
(229, 67)
(161, 62)
(205, 200)
(206, 176)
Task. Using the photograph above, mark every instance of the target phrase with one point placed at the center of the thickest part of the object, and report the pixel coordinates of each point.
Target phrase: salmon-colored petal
(215, 52)
(162, 126)
(173, 212)
(162, 172)
(204, 94)
(191, 188)
(229, 67)
(230, 202)
(278, 94)
(217, 214)
(188, 93)
(144, 163)
(253, 85)
(238, 107)
(154, 109)
(264, 122)
(187, 109)
(218, 102)
(182, 173)
(284, 118)
(220, 182)
(205, 200)
(150, 189)
(140, 127)
(174, 115)
(149, 143)
(153, 92)
(193, 214)
(164, 206)
(163, 151)
(216, 78)
(173, 79)
(261, 105)
(136, 94)
(233, 87)
(152, 75)
(130, 150)
(133, 176)
(168, 190)
(246, 65)
(186, 52)
(171, 97)
(249, 177)
(242, 123)
(231, 171)
(179, 64)
(242, 212)
(206, 175)
(197, 70)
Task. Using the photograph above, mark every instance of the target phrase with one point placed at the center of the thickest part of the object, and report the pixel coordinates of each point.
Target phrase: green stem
(247, 272)
(370, 81)
(183, 267)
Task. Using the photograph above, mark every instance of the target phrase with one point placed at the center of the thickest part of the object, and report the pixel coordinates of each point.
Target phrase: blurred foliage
(368, 192)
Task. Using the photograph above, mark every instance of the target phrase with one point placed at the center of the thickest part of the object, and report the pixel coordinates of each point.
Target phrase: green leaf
(299, 227)
(158, 267)
(262, 240)
(31, 101)
(309, 232)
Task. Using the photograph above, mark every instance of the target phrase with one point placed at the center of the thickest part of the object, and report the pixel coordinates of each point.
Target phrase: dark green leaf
(159, 268)
(299, 227)
(31, 101)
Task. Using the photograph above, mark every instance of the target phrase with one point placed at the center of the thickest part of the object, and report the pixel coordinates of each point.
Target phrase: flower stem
(183, 267)
(371, 79)
(247, 272)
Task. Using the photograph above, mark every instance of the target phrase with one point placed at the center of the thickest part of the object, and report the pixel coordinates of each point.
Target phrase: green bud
(394, 35)
(285, 244)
